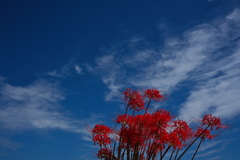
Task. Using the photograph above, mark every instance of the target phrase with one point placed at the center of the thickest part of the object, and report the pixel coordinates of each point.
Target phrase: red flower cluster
(140, 129)
(134, 99)
(153, 94)
(182, 129)
(204, 133)
(101, 135)
(101, 129)
(148, 136)
(106, 154)
(212, 121)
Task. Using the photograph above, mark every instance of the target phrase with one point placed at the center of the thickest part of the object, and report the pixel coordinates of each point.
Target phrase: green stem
(171, 154)
(119, 147)
(176, 155)
(114, 147)
(165, 152)
(126, 109)
(136, 152)
(197, 149)
(192, 142)
(151, 153)
(128, 149)
(122, 157)
(133, 112)
(148, 106)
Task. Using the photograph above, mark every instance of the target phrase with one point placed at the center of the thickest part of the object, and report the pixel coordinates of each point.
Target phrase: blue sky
(64, 65)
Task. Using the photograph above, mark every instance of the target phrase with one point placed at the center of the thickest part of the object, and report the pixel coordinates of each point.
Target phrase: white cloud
(234, 15)
(67, 70)
(209, 152)
(207, 55)
(37, 106)
(209, 145)
(33, 106)
(109, 71)
(55, 73)
(78, 69)
(218, 90)
(9, 144)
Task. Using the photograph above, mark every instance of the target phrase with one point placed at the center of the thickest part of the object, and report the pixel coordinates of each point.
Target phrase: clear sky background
(64, 65)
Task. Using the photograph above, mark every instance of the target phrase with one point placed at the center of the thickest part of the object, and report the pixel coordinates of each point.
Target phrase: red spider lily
(161, 118)
(161, 137)
(141, 121)
(148, 136)
(153, 94)
(124, 119)
(101, 129)
(174, 141)
(128, 93)
(106, 154)
(204, 134)
(130, 136)
(136, 103)
(212, 121)
(134, 99)
(102, 140)
(182, 129)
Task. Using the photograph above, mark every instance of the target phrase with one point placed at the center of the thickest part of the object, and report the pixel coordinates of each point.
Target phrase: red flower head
(205, 134)
(183, 130)
(161, 137)
(134, 99)
(102, 140)
(106, 154)
(174, 141)
(101, 129)
(212, 121)
(130, 136)
(153, 94)
(128, 93)
(142, 123)
(161, 118)
(124, 119)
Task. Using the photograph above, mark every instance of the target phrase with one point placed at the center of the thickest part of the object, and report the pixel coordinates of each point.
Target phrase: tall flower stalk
(149, 136)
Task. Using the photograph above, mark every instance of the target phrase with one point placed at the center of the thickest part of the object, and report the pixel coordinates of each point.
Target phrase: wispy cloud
(206, 56)
(210, 145)
(210, 152)
(209, 148)
(55, 73)
(37, 106)
(218, 77)
(78, 69)
(67, 70)
(107, 67)
(33, 106)
(9, 144)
